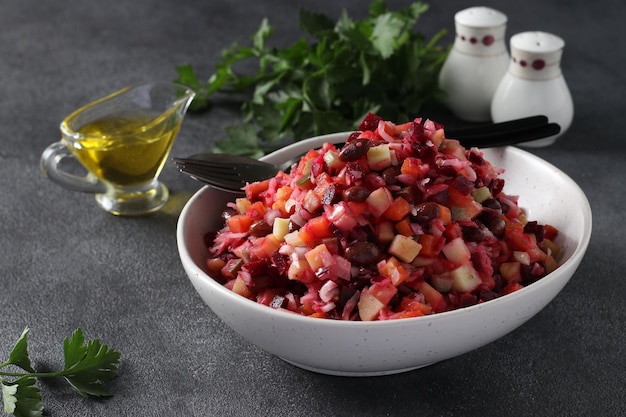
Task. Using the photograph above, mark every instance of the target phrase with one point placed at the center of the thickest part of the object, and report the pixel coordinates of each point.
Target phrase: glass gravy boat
(123, 141)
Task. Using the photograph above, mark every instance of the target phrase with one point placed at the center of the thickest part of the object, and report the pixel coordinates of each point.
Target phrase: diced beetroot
(370, 122)
(466, 300)
(496, 186)
(536, 229)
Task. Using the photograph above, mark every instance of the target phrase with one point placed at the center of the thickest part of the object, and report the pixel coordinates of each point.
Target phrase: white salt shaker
(476, 63)
(534, 84)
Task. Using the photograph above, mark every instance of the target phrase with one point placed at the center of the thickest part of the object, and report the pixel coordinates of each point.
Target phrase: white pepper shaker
(476, 63)
(534, 84)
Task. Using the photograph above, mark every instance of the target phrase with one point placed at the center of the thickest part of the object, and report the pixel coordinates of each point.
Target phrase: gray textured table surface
(65, 263)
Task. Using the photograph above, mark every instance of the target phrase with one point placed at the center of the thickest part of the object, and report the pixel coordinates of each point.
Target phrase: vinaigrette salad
(399, 222)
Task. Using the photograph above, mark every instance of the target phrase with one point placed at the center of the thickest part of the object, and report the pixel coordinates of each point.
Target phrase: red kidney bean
(293, 226)
(363, 253)
(260, 228)
(354, 150)
(356, 193)
(473, 233)
(390, 174)
(427, 211)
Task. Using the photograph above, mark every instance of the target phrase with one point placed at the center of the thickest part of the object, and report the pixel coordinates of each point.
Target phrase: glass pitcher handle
(49, 165)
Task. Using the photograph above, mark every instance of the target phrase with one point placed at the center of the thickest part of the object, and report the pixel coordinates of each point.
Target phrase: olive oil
(127, 149)
(123, 141)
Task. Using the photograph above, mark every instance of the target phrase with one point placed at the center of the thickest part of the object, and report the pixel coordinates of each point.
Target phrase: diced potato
(293, 239)
(404, 248)
(456, 251)
(280, 228)
(385, 231)
(521, 257)
(379, 157)
(481, 194)
(465, 279)
(379, 201)
(369, 306)
(241, 288)
(315, 257)
(510, 271)
(242, 204)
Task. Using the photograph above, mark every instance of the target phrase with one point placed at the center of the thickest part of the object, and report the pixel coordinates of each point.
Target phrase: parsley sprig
(350, 67)
(87, 367)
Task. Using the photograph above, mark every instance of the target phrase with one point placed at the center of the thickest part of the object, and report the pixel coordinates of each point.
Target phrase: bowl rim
(572, 262)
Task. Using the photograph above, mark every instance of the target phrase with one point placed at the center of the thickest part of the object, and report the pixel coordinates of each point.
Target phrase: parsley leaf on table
(87, 367)
(352, 67)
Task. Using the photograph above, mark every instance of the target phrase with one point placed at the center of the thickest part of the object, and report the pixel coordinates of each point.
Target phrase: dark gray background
(65, 263)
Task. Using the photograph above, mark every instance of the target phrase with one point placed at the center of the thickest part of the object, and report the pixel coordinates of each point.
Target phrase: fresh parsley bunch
(378, 64)
(87, 367)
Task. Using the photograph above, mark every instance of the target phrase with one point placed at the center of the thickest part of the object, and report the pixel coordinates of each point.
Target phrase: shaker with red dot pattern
(476, 63)
(534, 84)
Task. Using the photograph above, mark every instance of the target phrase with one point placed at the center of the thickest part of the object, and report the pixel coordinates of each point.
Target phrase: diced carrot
(266, 296)
(550, 232)
(369, 135)
(512, 287)
(457, 198)
(398, 209)
(404, 227)
(518, 240)
(306, 236)
(256, 210)
(253, 190)
(431, 245)
(239, 223)
(315, 257)
(307, 309)
(393, 270)
(407, 314)
(452, 231)
(283, 193)
(444, 214)
(280, 205)
(411, 166)
(409, 304)
(270, 245)
(432, 296)
(357, 208)
(319, 227)
(513, 228)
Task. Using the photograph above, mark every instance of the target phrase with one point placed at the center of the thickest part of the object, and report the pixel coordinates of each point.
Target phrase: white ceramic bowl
(387, 347)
